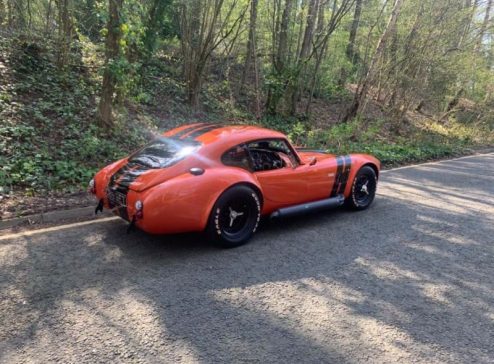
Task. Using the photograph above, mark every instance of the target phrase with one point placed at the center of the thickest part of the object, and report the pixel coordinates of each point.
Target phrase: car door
(312, 180)
(329, 175)
(320, 177)
(286, 185)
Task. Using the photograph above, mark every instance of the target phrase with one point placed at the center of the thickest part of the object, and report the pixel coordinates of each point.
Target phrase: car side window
(237, 157)
(271, 154)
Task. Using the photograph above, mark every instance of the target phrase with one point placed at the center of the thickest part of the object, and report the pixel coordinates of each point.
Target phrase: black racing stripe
(203, 130)
(120, 183)
(345, 174)
(198, 129)
(122, 178)
(126, 175)
(337, 177)
(187, 130)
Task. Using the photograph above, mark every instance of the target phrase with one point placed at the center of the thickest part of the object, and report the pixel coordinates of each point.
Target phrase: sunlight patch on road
(12, 254)
(469, 204)
(329, 314)
(436, 292)
(429, 249)
(129, 323)
(449, 237)
(387, 270)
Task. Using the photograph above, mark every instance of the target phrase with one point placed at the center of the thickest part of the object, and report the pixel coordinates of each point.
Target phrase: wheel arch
(359, 161)
(373, 166)
(248, 184)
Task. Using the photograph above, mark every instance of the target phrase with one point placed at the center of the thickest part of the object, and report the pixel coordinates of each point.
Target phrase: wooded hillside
(84, 82)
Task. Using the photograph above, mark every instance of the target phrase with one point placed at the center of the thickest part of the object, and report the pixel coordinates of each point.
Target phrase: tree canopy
(89, 68)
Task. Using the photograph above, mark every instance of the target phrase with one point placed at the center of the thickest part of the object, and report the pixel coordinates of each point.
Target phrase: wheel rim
(365, 187)
(234, 217)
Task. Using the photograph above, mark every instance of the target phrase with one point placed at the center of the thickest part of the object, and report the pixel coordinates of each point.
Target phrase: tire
(235, 217)
(363, 189)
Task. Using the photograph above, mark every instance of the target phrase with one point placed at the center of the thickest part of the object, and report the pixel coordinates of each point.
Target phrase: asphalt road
(409, 280)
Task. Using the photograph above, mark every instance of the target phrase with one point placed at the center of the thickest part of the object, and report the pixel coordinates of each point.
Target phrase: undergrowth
(393, 144)
(49, 139)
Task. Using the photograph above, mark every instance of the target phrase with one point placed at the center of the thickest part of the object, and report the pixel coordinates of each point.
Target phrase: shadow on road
(409, 278)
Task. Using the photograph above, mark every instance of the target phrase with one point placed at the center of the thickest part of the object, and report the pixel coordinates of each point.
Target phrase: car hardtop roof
(221, 134)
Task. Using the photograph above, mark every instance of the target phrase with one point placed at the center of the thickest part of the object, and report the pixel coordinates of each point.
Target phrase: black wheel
(234, 217)
(363, 189)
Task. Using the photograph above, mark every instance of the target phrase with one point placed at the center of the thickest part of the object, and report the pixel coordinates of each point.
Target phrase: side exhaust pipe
(304, 208)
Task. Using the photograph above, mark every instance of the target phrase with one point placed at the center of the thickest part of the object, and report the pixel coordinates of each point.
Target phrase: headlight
(92, 186)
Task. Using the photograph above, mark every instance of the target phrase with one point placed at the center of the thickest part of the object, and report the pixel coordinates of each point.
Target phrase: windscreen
(164, 152)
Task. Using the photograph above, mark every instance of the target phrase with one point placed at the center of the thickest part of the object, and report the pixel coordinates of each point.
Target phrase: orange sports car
(222, 179)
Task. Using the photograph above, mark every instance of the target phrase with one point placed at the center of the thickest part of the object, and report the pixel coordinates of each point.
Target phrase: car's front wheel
(363, 189)
(235, 217)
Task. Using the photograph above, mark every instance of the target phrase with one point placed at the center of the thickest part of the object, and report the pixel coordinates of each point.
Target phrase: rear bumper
(119, 208)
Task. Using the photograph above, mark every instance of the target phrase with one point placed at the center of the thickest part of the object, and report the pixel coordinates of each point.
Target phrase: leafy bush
(359, 136)
(48, 135)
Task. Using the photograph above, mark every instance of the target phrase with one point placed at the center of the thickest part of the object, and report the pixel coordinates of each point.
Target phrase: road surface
(409, 280)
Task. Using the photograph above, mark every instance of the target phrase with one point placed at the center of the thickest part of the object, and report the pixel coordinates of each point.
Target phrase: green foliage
(287, 125)
(48, 138)
(398, 154)
(276, 84)
(373, 137)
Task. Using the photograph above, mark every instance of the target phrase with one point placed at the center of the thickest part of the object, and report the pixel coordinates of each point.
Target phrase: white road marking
(57, 228)
(437, 162)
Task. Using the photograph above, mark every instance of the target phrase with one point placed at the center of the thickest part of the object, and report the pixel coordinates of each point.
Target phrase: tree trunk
(251, 50)
(293, 92)
(490, 56)
(3, 12)
(155, 14)
(455, 100)
(350, 49)
(280, 57)
(112, 52)
(361, 92)
(467, 21)
(281, 53)
(309, 30)
(204, 25)
(48, 17)
(319, 58)
(275, 29)
(10, 14)
(194, 88)
(301, 28)
(483, 28)
(64, 32)
(391, 70)
(29, 15)
(17, 17)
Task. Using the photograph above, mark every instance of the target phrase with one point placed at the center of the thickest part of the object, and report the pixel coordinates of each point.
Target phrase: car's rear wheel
(235, 217)
(363, 189)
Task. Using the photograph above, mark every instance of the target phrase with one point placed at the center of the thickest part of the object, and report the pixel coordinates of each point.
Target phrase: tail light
(92, 186)
(139, 206)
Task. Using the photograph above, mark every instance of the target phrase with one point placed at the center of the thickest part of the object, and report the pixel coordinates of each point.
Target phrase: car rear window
(164, 152)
